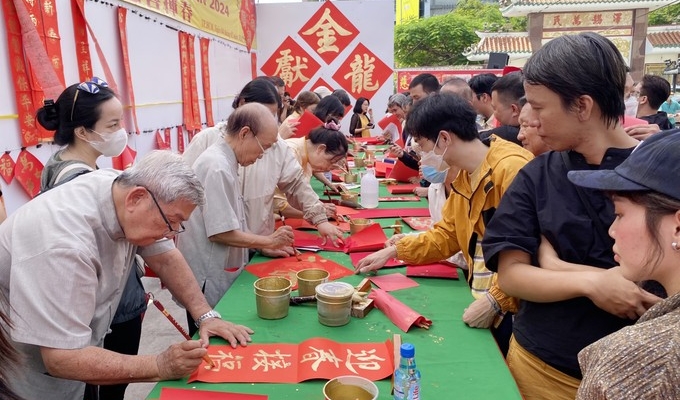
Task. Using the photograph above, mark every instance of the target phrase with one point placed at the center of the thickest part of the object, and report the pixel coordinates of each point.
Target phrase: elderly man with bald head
(217, 239)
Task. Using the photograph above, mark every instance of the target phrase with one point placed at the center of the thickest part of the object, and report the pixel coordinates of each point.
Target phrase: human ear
(584, 107)
(134, 197)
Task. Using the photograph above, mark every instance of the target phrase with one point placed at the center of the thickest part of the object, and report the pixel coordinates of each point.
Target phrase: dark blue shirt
(542, 201)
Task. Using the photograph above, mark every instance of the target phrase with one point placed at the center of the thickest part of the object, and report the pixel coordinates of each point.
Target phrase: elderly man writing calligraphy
(64, 280)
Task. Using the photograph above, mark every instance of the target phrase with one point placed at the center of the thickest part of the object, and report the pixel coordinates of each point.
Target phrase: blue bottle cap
(407, 350)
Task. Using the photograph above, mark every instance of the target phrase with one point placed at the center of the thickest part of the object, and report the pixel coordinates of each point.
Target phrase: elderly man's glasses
(259, 144)
(91, 87)
(171, 232)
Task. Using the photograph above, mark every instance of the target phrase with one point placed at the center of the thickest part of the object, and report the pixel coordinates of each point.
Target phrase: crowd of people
(565, 224)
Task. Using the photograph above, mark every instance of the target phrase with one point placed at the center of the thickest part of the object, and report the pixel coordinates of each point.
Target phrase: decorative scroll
(205, 75)
(122, 30)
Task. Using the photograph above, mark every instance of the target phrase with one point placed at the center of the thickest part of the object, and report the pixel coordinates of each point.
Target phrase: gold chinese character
(6, 166)
(288, 71)
(25, 164)
(366, 360)
(26, 102)
(270, 361)
(48, 7)
(362, 73)
(227, 361)
(319, 356)
(326, 29)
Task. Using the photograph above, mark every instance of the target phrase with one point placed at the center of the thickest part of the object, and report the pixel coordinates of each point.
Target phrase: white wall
(154, 61)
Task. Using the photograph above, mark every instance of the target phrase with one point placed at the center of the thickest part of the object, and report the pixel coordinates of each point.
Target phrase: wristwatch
(208, 315)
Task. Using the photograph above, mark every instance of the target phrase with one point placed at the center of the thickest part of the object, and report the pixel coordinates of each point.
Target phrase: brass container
(350, 387)
(308, 279)
(359, 224)
(272, 297)
(349, 177)
(359, 162)
(349, 196)
(334, 303)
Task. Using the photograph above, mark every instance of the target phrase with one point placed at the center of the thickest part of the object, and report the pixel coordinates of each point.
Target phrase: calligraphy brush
(181, 330)
(283, 221)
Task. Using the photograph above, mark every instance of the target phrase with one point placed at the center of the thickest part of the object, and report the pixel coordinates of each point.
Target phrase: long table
(455, 361)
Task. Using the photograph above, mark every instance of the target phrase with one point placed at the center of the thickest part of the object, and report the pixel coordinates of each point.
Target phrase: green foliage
(665, 15)
(441, 40)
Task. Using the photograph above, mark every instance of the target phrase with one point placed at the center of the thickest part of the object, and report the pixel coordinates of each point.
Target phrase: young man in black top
(572, 295)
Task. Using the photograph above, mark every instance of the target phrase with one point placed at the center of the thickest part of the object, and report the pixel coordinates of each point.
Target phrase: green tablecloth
(456, 362)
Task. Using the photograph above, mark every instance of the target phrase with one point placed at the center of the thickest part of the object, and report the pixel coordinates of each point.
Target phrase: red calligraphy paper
(316, 358)
(310, 240)
(328, 31)
(248, 19)
(435, 270)
(195, 109)
(124, 160)
(401, 189)
(392, 212)
(82, 45)
(122, 30)
(27, 171)
(293, 64)
(193, 394)
(391, 123)
(180, 139)
(362, 73)
(288, 267)
(187, 109)
(299, 223)
(393, 281)
(402, 173)
(7, 167)
(418, 223)
(343, 210)
(371, 238)
(369, 140)
(306, 123)
(205, 76)
(403, 316)
(358, 256)
(160, 142)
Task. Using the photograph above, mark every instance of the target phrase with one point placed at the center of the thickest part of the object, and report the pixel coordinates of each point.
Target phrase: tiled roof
(505, 3)
(664, 39)
(502, 43)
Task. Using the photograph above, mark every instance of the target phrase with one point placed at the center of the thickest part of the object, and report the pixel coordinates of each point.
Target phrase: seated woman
(319, 152)
(640, 361)
(305, 101)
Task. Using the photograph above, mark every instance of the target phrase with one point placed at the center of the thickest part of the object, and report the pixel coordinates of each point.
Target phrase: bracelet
(208, 315)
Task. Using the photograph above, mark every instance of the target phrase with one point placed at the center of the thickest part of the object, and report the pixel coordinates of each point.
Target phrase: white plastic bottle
(369, 189)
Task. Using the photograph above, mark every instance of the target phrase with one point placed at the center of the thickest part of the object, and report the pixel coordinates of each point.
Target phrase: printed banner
(316, 358)
(205, 75)
(82, 44)
(219, 17)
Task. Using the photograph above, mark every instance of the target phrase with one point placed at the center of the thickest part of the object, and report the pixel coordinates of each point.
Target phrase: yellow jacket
(466, 212)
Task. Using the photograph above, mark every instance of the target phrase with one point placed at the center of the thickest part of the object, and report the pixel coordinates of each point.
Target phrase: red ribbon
(187, 110)
(82, 45)
(180, 139)
(195, 110)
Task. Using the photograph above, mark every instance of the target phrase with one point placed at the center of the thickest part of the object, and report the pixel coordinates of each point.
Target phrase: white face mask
(631, 106)
(433, 160)
(112, 144)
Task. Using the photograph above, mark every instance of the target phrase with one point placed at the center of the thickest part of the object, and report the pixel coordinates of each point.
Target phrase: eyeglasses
(91, 87)
(259, 144)
(171, 232)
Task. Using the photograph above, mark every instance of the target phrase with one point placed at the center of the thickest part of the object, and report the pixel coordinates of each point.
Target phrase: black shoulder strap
(602, 231)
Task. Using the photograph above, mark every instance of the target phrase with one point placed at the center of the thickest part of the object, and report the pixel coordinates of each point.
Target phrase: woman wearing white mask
(87, 119)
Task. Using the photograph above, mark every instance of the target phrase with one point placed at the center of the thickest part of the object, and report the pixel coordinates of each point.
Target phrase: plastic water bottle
(407, 376)
(369, 189)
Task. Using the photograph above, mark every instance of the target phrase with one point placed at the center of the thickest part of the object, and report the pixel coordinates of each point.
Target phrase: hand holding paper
(376, 260)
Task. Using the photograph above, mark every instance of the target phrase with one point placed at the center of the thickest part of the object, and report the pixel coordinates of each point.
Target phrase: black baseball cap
(653, 166)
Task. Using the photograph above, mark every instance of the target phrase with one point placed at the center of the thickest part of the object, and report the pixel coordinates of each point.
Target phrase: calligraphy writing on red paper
(316, 358)
(292, 64)
(362, 73)
(328, 31)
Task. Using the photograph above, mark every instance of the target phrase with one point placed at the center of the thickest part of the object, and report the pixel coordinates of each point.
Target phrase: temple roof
(516, 44)
(660, 39)
(520, 8)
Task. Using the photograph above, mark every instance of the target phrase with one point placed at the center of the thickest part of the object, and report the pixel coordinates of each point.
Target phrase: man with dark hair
(481, 87)
(444, 126)
(654, 90)
(570, 294)
(422, 86)
(505, 95)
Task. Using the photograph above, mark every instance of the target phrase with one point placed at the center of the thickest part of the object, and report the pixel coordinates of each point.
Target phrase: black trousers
(124, 338)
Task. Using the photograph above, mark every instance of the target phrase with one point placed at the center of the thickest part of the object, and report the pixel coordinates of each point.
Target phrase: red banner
(122, 30)
(404, 77)
(187, 110)
(180, 139)
(7, 167)
(195, 109)
(316, 358)
(205, 74)
(81, 39)
(22, 83)
(160, 143)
